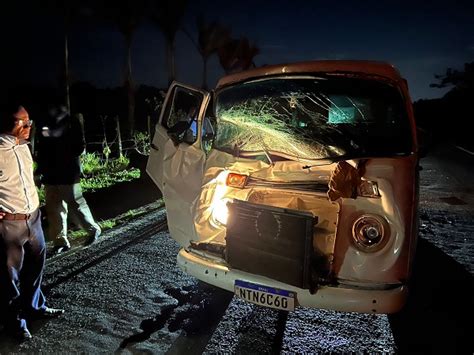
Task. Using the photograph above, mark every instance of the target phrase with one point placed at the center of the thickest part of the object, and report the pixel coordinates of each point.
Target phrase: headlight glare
(220, 212)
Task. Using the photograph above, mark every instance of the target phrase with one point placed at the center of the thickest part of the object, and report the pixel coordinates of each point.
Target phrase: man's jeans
(22, 258)
(64, 199)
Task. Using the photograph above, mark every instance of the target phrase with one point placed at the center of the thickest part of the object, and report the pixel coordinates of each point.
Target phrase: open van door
(176, 160)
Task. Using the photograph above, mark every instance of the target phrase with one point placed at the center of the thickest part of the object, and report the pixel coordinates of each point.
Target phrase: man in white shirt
(22, 245)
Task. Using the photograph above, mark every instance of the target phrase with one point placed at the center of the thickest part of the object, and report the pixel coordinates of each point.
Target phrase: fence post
(148, 121)
(119, 135)
(80, 119)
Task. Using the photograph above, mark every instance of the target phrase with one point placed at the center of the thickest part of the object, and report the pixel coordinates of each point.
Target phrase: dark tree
(167, 16)
(451, 117)
(460, 80)
(211, 36)
(69, 12)
(126, 15)
(237, 55)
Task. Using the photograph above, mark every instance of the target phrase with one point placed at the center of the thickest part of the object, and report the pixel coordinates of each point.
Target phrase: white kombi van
(294, 184)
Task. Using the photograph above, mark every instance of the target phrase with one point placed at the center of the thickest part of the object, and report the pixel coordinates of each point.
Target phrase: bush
(118, 164)
(142, 142)
(91, 163)
(99, 173)
(102, 173)
(104, 180)
(41, 193)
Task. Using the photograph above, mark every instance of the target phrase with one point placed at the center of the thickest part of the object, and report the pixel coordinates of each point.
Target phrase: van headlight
(370, 232)
(220, 211)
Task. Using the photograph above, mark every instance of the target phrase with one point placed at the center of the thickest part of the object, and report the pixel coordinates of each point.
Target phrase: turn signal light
(236, 180)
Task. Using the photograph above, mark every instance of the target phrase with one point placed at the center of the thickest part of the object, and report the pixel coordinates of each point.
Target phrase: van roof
(381, 69)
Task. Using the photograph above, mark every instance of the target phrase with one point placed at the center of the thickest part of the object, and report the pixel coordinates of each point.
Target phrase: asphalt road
(128, 296)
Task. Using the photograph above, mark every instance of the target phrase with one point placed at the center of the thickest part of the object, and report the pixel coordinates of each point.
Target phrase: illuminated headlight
(370, 232)
(220, 212)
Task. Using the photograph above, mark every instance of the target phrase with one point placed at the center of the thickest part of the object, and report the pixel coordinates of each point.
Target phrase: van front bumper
(339, 298)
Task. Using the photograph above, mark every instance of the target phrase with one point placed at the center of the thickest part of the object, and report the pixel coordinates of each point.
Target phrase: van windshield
(313, 118)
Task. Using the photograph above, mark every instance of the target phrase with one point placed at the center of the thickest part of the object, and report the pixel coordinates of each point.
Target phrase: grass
(107, 179)
(99, 173)
(119, 220)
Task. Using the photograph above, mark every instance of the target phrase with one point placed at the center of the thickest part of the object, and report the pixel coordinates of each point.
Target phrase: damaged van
(294, 185)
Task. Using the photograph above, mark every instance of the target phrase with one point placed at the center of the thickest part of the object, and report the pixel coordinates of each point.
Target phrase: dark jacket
(58, 153)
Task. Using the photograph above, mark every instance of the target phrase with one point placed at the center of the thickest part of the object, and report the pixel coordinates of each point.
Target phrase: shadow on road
(438, 317)
(196, 315)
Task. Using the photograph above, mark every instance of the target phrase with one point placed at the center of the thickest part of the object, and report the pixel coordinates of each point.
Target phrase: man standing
(61, 144)
(22, 245)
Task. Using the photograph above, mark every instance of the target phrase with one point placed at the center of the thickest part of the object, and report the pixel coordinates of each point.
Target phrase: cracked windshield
(312, 118)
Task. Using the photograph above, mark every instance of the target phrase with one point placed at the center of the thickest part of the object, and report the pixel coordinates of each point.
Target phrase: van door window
(208, 129)
(181, 116)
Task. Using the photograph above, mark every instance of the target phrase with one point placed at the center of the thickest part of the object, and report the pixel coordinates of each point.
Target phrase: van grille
(270, 241)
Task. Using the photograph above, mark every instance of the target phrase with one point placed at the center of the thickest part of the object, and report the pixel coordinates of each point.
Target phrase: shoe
(46, 313)
(21, 335)
(60, 249)
(24, 335)
(94, 237)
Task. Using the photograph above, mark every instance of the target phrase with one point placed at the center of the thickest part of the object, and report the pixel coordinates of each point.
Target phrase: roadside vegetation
(99, 173)
(445, 119)
(119, 220)
(106, 163)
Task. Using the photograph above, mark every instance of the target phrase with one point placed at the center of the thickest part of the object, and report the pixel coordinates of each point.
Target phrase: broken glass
(312, 118)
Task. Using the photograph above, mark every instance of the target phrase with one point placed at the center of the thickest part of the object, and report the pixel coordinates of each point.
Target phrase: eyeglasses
(24, 123)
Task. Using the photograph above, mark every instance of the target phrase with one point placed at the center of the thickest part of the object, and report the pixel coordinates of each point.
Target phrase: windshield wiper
(355, 156)
(331, 161)
(268, 157)
(267, 154)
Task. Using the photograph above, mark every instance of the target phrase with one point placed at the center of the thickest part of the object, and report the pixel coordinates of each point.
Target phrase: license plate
(265, 296)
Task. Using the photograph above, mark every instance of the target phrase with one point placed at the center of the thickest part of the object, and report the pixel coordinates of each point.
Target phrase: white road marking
(465, 150)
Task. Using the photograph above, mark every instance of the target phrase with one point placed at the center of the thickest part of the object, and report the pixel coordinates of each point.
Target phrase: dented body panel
(344, 298)
(364, 199)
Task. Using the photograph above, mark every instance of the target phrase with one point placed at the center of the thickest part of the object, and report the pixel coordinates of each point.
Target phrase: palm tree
(237, 54)
(126, 15)
(167, 15)
(211, 36)
(70, 11)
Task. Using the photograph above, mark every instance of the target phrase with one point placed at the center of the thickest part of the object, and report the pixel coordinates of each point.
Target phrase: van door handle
(154, 147)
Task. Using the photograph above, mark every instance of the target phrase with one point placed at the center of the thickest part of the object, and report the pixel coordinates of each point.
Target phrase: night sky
(420, 38)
